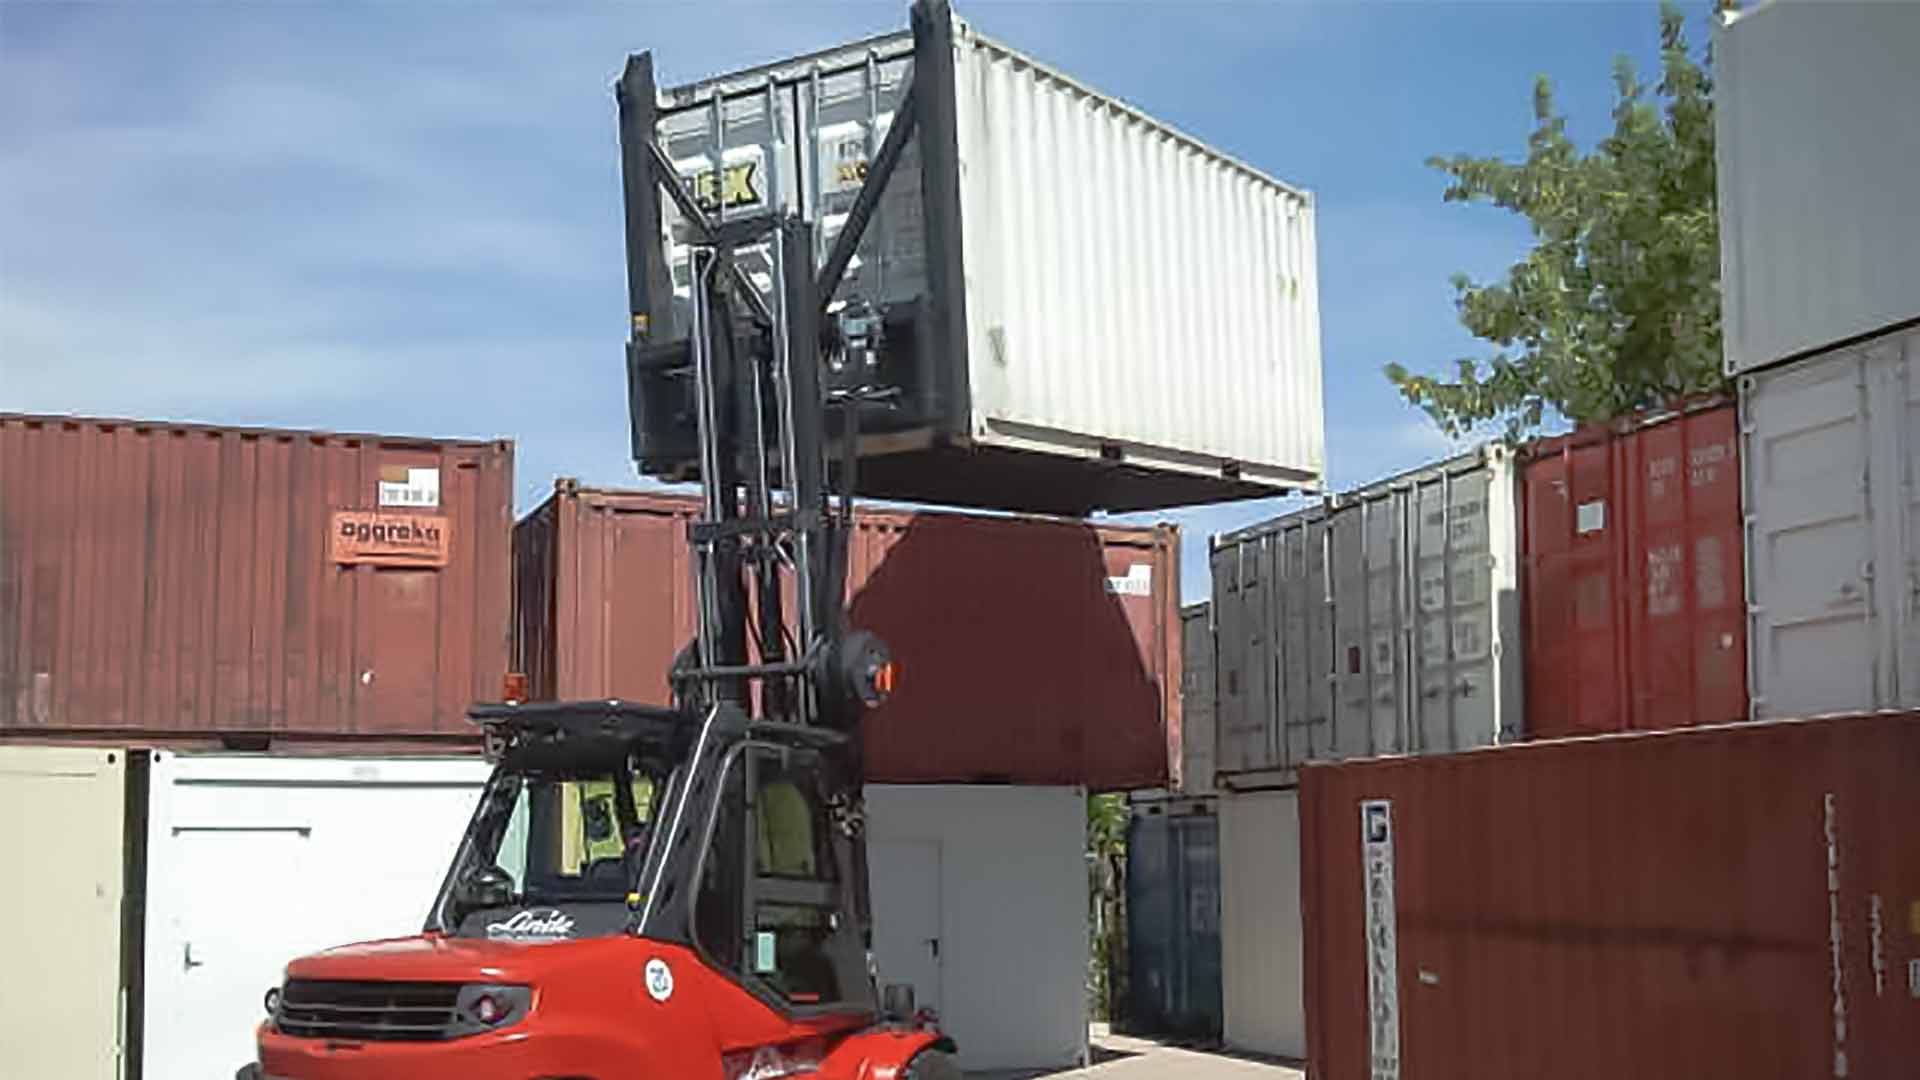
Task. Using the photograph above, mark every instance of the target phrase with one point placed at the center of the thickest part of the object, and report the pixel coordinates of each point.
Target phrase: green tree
(1617, 306)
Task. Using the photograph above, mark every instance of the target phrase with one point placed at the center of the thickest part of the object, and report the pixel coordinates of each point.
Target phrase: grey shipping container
(1833, 530)
(1196, 700)
(1083, 307)
(1384, 621)
(1173, 921)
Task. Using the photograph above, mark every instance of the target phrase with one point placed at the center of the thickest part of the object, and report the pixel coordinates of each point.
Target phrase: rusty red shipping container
(1632, 570)
(182, 583)
(1733, 901)
(1031, 650)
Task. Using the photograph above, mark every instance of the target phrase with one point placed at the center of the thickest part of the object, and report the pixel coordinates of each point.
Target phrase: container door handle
(189, 961)
(933, 943)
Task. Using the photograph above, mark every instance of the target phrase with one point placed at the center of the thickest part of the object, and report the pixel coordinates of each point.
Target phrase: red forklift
(679, 892)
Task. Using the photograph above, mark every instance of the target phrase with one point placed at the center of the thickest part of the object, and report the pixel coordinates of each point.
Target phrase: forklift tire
(931, 1065)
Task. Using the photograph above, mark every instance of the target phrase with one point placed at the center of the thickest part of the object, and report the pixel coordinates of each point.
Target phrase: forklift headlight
(272, 1001)
(485, 1006)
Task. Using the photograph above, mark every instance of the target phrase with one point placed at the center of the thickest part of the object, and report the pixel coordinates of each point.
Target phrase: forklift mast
(774, 374)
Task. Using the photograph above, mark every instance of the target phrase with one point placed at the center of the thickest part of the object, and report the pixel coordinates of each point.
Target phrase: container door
(906, 915)
(1306, 719)
(1368, 541)
(1243, 710)
(222, 963)
(1457, 705)
(1898, 529)
(1197, 949)
(63, 845)
(1815, 643)
(1151, 934)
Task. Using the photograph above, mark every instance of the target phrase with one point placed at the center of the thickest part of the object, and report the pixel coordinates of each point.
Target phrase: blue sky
(406, 217)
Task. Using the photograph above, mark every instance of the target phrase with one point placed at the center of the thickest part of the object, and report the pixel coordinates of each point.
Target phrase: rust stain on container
(1634, 575)
(171, 581)
(1031, 650)
(1712, 902)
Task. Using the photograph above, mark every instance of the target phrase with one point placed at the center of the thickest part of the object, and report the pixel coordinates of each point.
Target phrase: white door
(202, 1028)
(1816, 640)
(905, 880)
(61, 814)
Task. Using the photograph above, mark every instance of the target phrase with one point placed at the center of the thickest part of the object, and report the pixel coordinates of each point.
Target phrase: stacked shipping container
(1631, 574)
(1032, 650)
(1380, 622)
(179, 583)
(1822, 300)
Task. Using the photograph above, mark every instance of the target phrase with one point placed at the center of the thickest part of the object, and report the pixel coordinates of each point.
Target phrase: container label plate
(1383, 954)
(418, 489)
(368, 538)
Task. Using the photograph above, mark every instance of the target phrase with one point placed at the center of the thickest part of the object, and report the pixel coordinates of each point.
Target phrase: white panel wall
(1262, 945)
(1819, 151)
(1013, 914)
(61, 829)
(253, 861)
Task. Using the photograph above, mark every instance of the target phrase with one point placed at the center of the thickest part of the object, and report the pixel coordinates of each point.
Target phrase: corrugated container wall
(1384, 621)
(1738, 901)
(1817, 153)
(1173, 922)
(1631, 569)
(171, 580)
(1086, 308)
(1031, 650)
(1833, 518)
(1197, 736)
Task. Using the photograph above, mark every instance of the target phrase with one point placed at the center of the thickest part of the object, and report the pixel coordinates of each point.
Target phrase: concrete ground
(1120, 1057)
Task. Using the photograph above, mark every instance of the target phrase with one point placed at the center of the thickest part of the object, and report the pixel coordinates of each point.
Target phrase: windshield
(547, 846)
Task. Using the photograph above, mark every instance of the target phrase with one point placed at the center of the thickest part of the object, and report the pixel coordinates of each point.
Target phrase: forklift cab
(732, 837)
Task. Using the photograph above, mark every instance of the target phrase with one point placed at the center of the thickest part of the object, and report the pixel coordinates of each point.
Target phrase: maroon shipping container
(1031, 650)
(171, 582)
(1632, 571)
(1736, 901)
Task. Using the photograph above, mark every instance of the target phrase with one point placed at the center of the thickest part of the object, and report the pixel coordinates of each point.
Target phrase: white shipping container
(1833, 538)
(1262, 944)
(252, 861)
(63, 842)
(1384, 621)
(1126, 293)
(1818, 152)
(980, 903)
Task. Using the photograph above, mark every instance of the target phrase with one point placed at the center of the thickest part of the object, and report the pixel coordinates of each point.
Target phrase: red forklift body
(596, 1012)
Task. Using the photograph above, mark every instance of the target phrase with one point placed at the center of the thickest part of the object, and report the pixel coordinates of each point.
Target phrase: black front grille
(370, 1011)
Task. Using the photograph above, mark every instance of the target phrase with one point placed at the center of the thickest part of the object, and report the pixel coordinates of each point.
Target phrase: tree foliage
(1617, 306)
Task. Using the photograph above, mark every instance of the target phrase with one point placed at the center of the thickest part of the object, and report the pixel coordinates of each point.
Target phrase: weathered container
(1817, 150)
(1631, 572)
(1086, 308)
(1732, 901)
(64, 845)
(1031, 650)
(1833, 559)
(165, 580)
(1261, 943)
(1173, 921)
(1197, 736)
(980, 904)
(1384, 621)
